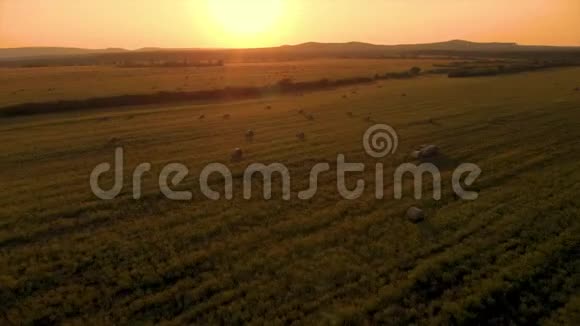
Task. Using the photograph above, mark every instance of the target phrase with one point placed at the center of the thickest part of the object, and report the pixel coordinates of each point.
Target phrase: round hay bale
(237, 155)
(404, 94)
(250, 134)
(301, 136)
(415, 214)
(425, 151)
(114, 141)
(268, 107)
(301, 111)
(429, 151)
(227, 116)
(310, 116)
(201, 117)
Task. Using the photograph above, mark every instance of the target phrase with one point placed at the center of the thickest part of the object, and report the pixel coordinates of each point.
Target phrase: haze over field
(259, 23)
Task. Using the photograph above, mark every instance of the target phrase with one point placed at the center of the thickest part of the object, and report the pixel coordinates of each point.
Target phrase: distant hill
(63, 56)
(454, 45)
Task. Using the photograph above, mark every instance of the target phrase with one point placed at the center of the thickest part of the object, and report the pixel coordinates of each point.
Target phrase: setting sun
(246, 22)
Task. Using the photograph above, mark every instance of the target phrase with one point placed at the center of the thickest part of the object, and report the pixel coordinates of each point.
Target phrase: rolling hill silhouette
(55, 56)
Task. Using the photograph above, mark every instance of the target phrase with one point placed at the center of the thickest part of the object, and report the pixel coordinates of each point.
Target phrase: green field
(510, 257)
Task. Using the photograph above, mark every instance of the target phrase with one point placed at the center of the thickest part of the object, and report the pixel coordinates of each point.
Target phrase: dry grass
(22, 85)
(66, 256)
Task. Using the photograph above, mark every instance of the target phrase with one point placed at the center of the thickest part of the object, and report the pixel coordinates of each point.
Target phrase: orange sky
(254, 23)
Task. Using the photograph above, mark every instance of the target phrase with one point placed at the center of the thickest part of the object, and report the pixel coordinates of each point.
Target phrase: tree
(285, 82)
(415, 70)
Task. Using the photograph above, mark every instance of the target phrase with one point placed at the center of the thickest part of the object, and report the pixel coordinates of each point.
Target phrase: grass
(512, 256)
(23, 85)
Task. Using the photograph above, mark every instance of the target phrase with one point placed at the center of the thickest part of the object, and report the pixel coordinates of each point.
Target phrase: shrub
(415, 71)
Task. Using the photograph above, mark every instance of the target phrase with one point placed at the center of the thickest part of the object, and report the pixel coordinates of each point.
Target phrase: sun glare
(247, 22)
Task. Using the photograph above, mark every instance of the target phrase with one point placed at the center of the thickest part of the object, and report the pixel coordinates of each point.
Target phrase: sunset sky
(256, 23)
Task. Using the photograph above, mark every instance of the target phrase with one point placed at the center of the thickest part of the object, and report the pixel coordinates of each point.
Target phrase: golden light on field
(246, 23)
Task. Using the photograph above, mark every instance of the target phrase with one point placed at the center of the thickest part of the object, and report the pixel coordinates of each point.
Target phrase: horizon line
(278, 46)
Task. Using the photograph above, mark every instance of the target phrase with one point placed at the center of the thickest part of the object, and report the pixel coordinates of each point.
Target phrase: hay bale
(349, 114)
(310, 116)
(227, 116)
(425, 151)
(404, 94)
(201, 117)
(415, 214)
(237, 155)
(250, 134)
(301, 111)
(114, 141)
(268, 107)
(429, 151)
(301, 136)
(577, 89)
